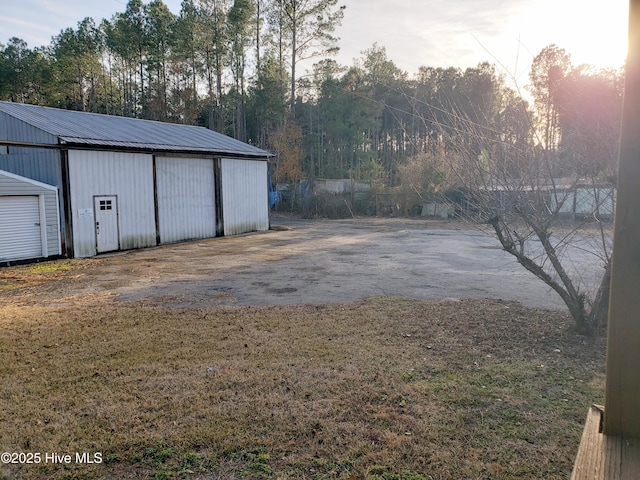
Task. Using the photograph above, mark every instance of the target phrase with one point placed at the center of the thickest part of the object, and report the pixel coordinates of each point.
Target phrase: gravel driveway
(312, 262)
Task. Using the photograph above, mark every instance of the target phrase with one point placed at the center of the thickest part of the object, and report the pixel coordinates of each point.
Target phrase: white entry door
(106, 215)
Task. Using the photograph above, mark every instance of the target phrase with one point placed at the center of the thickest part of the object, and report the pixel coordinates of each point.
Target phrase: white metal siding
(20, 231)
(591, 201)
(186, 198)
(585, 201)
(129, 176)
(245, 196)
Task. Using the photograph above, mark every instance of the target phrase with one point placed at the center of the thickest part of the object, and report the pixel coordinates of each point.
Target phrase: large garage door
(20, 228)
(186, 199)
(245, 196)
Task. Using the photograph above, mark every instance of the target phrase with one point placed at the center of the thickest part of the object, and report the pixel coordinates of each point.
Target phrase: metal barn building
(121, 183)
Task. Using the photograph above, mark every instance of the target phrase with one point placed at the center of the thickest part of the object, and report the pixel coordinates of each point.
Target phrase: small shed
(29, 219)
(126, 183)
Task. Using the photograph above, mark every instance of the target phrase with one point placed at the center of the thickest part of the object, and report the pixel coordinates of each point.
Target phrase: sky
(435, 33)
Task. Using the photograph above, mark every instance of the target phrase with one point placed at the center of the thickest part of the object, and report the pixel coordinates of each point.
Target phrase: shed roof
(30, 181)
(94, 129)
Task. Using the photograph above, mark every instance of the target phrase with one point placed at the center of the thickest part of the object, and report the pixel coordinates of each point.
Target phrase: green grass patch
(47, 268)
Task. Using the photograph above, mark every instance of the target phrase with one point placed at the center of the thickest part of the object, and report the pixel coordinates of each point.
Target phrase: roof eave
(89, 144)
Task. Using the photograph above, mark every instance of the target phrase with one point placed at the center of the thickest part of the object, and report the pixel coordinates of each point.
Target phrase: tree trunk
(293, 72)
(573, 299)
(600, 308)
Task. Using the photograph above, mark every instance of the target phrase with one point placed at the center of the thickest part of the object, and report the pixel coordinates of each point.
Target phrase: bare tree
(548, 211)
(552, 226)
(543, 182)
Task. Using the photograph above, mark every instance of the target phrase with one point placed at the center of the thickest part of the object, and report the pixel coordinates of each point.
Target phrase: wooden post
(622, 397)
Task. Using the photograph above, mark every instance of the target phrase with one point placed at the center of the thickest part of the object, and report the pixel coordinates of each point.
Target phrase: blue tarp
(274, 198)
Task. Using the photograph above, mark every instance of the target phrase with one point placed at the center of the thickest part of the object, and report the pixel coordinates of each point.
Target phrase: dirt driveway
(313, 262)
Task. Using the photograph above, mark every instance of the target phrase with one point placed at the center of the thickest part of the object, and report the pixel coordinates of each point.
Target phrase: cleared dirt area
(315, 262)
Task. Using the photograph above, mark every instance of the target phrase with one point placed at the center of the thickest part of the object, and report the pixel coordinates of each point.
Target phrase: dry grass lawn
(382, 389)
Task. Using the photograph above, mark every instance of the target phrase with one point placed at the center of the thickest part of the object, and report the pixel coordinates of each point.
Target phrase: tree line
(234, 66)
(515, 160)
(226, 64)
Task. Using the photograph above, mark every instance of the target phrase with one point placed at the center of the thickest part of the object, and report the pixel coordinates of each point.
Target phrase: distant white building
(340, 185)
(569, 197)
(585, 200)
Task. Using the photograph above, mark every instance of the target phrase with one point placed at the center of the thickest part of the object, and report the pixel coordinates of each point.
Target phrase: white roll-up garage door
(186, 198)
(20, 232)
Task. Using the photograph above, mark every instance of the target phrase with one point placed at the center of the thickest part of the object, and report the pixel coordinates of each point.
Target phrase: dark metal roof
(93, 129)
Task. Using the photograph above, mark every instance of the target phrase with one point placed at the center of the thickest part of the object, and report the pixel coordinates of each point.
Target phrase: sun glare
(593, 32)
(607, 45)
